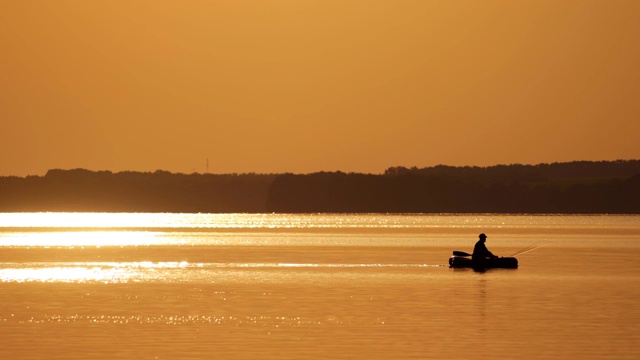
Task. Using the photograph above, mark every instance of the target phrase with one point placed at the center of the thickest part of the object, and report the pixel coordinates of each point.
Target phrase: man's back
(480, 250)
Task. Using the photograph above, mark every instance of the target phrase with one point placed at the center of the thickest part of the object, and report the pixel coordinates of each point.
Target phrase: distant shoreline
(582, 187)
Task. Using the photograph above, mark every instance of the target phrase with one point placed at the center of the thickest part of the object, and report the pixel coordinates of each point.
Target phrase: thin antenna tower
(207, 165)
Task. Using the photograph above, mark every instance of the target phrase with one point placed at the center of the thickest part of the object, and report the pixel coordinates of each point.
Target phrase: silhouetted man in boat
(480, 252)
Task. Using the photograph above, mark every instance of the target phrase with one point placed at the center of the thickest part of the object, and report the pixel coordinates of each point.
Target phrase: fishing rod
(528, 248)
(519, 252)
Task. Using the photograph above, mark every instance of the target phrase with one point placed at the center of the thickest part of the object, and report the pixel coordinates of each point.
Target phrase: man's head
(483, 237)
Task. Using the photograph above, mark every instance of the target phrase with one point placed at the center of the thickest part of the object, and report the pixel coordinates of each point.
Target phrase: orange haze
(303, 86)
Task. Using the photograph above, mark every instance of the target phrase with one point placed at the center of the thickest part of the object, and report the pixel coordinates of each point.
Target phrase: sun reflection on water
(111, 272)
(82, 238)
(65, 274)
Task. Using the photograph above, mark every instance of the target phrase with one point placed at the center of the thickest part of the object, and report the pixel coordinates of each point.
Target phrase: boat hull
(495, 263)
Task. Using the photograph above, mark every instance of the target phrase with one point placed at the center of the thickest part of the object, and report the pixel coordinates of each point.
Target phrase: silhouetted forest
(160, 191)
(575, 187)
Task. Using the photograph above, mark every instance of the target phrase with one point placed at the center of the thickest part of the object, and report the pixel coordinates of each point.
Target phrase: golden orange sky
(304, 86)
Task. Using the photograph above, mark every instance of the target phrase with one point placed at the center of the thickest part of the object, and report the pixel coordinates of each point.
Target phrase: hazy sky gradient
(303, 86)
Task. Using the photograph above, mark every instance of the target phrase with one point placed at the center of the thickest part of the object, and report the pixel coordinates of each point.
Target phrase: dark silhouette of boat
(462, 259)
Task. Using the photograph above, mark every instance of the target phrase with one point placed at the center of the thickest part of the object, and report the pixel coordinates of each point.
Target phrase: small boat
(462, 259)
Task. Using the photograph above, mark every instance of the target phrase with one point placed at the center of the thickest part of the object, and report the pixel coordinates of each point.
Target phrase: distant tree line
(574, 187)
(160, 191)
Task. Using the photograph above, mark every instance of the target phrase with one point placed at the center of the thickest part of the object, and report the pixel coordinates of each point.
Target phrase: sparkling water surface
(274, 286)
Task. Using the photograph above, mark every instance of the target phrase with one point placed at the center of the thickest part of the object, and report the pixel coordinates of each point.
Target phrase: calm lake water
(267, 286)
